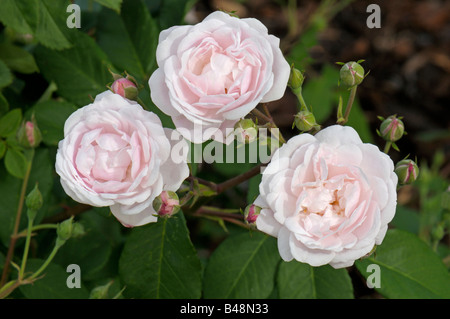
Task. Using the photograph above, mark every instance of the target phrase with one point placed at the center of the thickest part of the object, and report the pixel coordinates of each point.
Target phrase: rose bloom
(114, 153)
(328, 198)
(214, 73)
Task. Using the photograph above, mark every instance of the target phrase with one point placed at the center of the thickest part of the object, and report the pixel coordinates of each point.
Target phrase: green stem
(8, 288)
(301, 100)
(27, 248)
(49, 259)
(348, 108)
(387, 147)
(12, 244)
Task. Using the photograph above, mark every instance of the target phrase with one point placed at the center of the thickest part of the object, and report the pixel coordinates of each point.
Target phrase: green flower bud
(166, 204)
(29, 135)
(407, 171)
(251, 213)
(392, 129)
(65, 229)
(78, 230)
(296, 79)
(246, 131)
(34, 199)
(305, 121)
(351, 74)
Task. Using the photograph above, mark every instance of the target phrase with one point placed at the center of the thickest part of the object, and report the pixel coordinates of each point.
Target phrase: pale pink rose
(328, 198)
(214, 73)
(114, 153)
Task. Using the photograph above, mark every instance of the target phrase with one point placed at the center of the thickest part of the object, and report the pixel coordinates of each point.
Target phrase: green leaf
(301, 281)
(10, 122)
(172, 12)
(112, 4)
(18, 59)
(243, 266)
(79, 72)
(53, 285)
(4, 105)
(10, 189)
(15, 163)
(409, 269)
(5, 75)
(51, 116)
(159, 261)
(130, 48)
(45, 19)
(2, 148)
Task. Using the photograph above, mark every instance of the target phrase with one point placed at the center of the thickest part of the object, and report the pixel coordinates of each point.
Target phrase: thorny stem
(12, 244)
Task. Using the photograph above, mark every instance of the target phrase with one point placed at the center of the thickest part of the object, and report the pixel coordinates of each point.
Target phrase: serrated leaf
(159, 261)
(18, 59)
(15, 162)
(9, 123)
(53, 285)
(79, 72)
(243, 266)
(45, 19)
(130, 48)
(297, 280)
(408, 268)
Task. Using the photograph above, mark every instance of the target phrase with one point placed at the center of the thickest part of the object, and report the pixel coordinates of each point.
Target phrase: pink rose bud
(166, 204)
(125, 88)
(251, 213)
(392, 128)
(407, 171)
(29, 135)
(246, 131)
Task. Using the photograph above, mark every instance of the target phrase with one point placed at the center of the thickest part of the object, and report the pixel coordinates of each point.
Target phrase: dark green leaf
(15, 163)
(2, 148)
(5, 75)
(10, 122)
(4, 105)
(10, 189)
(301, 281)
(18, 59)
(53, 285)
(79, 72)
(159, 261)
(243, 266)
(112, 4)
(408, 268)
(51, 116)
(45, 19)
(172, 12)
(130, 48)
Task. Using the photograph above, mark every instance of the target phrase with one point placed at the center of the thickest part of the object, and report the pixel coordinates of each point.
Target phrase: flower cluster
(327, 197)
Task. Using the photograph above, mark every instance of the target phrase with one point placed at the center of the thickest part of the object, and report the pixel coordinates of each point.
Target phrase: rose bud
(351, 74)
(246, 131)
(29, 135)
(166, 204)
(251, 213)
(407, 171)
(296, 79)
(305, 121)
(392, 129)
(125, 88)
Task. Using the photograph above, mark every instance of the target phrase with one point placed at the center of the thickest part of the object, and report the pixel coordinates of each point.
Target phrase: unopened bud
(33, 202)
(65, 229)
(407, 171)
(166, 204)
(305, 121)
(251, 213)
(351, 74)
(29, 135)
(392, 129)
(296, 79)
(246, 131)
(125, 88)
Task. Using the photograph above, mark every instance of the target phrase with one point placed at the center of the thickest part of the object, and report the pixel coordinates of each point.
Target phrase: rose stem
(12, 244)
(238, 179)
(348, 108)
(387, 147)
